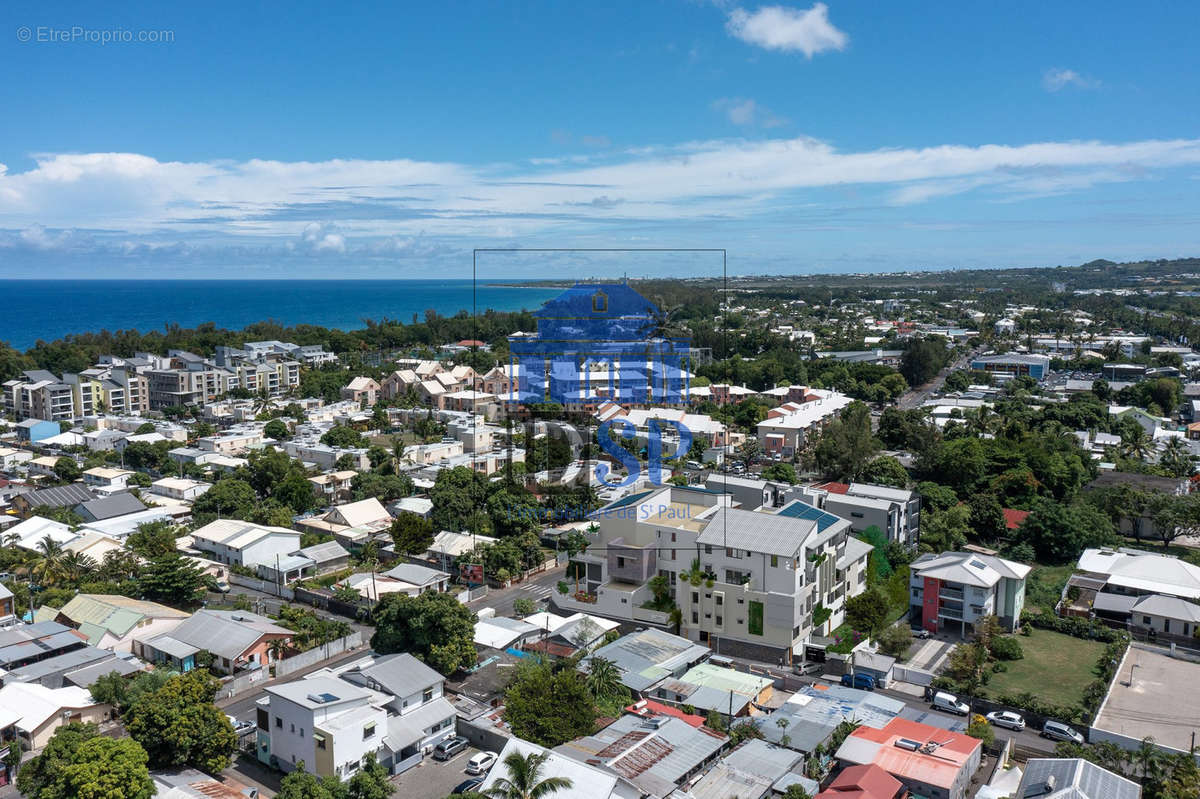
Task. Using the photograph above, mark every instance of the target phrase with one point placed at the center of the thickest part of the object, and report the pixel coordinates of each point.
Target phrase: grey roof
(856, 549)
(813, 714)
(417, 575)
(315, 692)
(704, 697)
(226, 633)
(757, 532)
(880, 492)
(1114, 603)
(49, 671)
(1074, 778)
(400, 675)
(410, 728)
(655, 754)
(89, 674)
(1169, 606)
(110, 507)
(38, 645)
(172, 646)
(324, 552)
(649, 656)
(59, 496)
(748, 772)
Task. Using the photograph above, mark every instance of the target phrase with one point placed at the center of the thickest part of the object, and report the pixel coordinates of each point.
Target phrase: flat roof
(1159, 703)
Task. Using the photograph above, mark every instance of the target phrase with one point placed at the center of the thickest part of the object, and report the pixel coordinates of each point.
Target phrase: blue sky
(389, 140)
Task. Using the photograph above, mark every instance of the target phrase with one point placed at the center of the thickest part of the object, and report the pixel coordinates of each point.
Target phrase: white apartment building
(321, 724)
(39, 395)
(787, 427)
(235, 542)
(952, 591)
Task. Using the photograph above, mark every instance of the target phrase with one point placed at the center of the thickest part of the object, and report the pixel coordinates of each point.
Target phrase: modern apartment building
(895, 511)
(952, 591)
(745, 581)
(39, 395)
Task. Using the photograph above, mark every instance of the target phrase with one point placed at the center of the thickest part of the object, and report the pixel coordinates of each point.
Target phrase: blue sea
(51, 309)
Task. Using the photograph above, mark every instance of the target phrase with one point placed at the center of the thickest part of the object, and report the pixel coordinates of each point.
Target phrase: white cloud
(1055, 80)
(747, 112)
(342, 207)
(787, 29)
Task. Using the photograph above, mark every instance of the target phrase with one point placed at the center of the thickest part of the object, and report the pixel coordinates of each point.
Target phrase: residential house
(32, 431)
(8, 608)
(929, 761)
(657, 754)
(1154, 593)
(321, 724)
(179, 488)
(107, 479)
(40, 711)
(31, 643)
(864, 782)
(11, 458)
(953, 591)
(749, 772)
(368, 512)
(109, 507)
(360, 390)
(423, 578)
(31, 532)
(811, 715)
(646, 658)
(710, 688)
(588, 781)
(237, 640)
(240, 543)
(112, 622)
(333, 487)
(1072, 778)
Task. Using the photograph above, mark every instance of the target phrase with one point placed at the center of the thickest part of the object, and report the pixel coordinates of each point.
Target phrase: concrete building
(1010, 365)
(112, 622)
(240, 543)
(39, 710)
(952, 591)
(929, 761)
(1072, 778)
(787, 428)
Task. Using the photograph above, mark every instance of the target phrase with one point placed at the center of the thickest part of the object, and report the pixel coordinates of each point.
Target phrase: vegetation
(547, 705)
(523, 779)
(178, 724)
(80, 762)
(434, 627)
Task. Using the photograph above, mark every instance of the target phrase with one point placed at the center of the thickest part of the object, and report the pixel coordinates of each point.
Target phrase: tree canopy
(434, 627)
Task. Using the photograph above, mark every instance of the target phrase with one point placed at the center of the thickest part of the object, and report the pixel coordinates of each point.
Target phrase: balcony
(950, 613)
(951, 593)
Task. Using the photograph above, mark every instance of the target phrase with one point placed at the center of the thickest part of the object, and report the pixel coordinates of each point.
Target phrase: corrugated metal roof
(769, 533)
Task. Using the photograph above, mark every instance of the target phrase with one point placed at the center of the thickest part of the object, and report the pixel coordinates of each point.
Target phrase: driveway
(434, 779)
(931, 655)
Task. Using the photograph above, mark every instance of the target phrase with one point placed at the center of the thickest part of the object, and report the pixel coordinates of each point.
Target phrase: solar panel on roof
(801, 510)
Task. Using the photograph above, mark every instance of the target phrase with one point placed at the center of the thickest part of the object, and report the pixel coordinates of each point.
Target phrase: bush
(1007, 648)
(999, 667)
(1077, 628)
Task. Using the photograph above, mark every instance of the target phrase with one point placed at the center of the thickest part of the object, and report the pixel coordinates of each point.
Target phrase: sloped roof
(773, 534)
(111, 506)
(969, 568)
(225, 633)
(115, 614)
(1144, 571)
(356, 514)
(1168, 606)
(862, 782)
(59, 496)
(1074, 778)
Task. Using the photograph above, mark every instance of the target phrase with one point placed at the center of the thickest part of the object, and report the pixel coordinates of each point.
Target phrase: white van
(950, 704)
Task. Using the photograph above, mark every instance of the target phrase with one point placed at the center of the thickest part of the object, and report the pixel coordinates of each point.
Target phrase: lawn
(1044, 587)
(1056, 667)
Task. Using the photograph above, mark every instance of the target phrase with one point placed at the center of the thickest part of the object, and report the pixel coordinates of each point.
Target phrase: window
(708, 549)
(855, 514)
(695, 597)
(695, 617)
(599, 302)
(720, 621)
(1146, 620)
(672, 538)
(427, 695)
(278, 722)
(720, 600)
(774, 561)
(369, 731)
(293, 728)
(320, 740)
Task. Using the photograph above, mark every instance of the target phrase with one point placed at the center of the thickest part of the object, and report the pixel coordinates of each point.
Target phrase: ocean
(51, 309)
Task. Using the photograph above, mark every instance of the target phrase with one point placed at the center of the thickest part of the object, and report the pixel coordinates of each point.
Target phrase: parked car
(921, 632)
(864, 681)
(468, 785)
(1007, 719)
(450, 747)
(1057, 731)
(481, 762)
(807, 668)
(950, 704)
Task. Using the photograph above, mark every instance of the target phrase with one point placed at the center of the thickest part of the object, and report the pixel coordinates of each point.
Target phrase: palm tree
(276, 648)
(1148, 760)
(603, 678)
(74, 566)
(1136, 443)
(522, 781)
(48, 567)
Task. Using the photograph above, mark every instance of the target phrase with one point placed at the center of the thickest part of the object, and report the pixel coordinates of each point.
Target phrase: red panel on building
(929, 604)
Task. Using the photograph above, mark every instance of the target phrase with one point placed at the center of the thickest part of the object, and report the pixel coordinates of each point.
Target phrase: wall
(482, 735)
(243, 682)
(264, 586)
(317, 654)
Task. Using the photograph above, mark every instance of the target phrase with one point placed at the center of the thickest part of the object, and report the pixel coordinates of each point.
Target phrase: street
(916, 397)
(537, 587)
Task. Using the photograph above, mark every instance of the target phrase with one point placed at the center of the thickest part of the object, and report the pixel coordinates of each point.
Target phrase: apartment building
(39, 395)
(952, 591)
(894, 511)
(786, 429)
(240, 543)
(746, 581)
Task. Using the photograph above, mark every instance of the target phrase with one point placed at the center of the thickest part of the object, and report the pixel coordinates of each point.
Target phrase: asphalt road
(538, 587)
(917, 396)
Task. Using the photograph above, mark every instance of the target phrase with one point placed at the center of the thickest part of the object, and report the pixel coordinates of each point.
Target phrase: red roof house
(864, 782)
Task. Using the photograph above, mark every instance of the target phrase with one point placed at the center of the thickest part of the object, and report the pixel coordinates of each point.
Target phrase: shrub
(999, 667)
(1007, 648)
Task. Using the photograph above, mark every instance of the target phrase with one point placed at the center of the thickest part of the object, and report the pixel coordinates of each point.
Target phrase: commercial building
(1010, 365)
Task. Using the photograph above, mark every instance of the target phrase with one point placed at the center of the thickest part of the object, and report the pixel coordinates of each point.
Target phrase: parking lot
(434, 779)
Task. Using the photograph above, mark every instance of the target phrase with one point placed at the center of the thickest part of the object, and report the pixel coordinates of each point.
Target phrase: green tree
(122, 692)
(781, 473)
(152, 539)
(370, 781)
(343, 437)
(846, 445)
(296, 493)
(67, 470)
(987, 518)
(945, 531)
(173, 580)
(923, 358)
(79, 763)
(887, 471)
(1059, 532)
(456, 494)
(982, 729)
(936, 497)
(549, 708)
(300, 784)
(434, 627)
(524, 780)
(524, 606)
(411, 533)
(867, 612)
(603, 678)
(896, 640)
(178, 725)
(277, 429)
(229, 498)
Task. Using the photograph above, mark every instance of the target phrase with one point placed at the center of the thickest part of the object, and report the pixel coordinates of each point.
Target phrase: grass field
(1044, 587)
(1056, 667)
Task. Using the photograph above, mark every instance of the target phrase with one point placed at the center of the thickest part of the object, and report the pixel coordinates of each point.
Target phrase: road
(538, 587)
(916, 397)
(242, 706)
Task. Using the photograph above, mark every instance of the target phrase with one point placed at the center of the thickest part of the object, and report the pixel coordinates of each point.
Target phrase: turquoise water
(51, 309)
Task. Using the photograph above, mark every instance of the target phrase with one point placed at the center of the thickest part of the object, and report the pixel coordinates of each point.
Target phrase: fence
(471, 594)
(911, 675)
(265, 586)
(317, 654)
(243, 682)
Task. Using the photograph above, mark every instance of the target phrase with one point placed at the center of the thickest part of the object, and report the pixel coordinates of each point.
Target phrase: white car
(480, 763)
(1007, 719)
